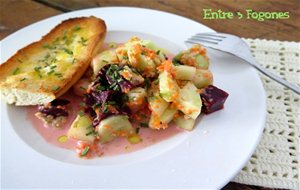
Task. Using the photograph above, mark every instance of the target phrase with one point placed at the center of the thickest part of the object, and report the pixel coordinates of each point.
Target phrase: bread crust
(25, 88)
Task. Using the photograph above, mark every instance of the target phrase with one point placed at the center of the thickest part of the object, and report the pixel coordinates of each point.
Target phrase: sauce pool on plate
(58, 136)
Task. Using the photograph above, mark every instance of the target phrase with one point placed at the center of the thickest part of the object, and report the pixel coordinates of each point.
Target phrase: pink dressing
(118, 146)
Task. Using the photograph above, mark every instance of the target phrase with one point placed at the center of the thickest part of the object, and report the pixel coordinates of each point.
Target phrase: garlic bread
(46, 69)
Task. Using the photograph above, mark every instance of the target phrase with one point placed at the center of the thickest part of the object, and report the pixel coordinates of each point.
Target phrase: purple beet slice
(213, 99)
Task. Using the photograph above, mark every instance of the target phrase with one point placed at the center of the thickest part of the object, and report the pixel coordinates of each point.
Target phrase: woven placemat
(275, 163)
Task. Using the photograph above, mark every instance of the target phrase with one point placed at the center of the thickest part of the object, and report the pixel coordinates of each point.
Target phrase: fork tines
(206, 37)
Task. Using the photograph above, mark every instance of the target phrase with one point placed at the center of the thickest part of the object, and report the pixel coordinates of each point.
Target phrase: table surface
(15, 14)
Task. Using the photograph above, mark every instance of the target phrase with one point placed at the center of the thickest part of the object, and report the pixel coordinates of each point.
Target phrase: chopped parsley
(47, 46)
(37, 68)
(82, 88)
(112, 102)
(85, 151)
(23, 79)
(82, 104)
(100, 88)
(16, 71)
(58, 75)
(81, 113)
(76, 28)
(94, 133)
(83, 41)
(55, 88)
(74, 60)
(50, 72)
(105, 108)
(144, 125)
(19, 60)
(68, 51)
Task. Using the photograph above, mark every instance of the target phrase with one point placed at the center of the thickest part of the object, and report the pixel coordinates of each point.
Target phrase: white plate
(208, 157)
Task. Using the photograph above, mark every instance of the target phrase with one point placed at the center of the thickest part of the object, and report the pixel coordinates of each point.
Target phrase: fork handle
(285, 83)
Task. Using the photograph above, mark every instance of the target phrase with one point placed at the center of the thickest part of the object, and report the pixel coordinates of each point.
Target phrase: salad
(137, 85)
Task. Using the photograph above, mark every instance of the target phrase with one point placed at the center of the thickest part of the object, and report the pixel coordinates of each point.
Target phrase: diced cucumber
(184, 72)
(161, 122)
(146, 65)
(104, 58)
(201, 62)
(82, 129)
(202, 78)
(136, 98)
(189, 101)
(155, 123)
(156, 103)
(168, 115)
(114, 126)
(184, 123)
(168, 88)
(132, 76)
(149, 44)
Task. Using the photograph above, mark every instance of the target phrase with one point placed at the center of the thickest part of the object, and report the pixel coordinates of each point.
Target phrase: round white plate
(207, 158)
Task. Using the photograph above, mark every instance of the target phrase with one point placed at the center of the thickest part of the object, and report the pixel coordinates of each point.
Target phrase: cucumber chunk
(155, 122)
(82, 129)
(189, 101)
(184, 72)
(104, 58)
(114, 126)
(136, 98)
(201, 62)
(132, 76)
(168, 115)
(184, 123)
(202, 78)
(168, 88)
(156, 103)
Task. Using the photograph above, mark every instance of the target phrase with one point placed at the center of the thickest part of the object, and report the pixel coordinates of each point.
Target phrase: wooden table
(15, 14)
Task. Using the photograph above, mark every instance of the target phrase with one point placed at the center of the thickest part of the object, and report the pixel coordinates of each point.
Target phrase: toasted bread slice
(46, 69)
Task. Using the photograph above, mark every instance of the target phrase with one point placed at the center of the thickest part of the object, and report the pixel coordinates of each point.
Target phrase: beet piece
(53, 111)
(60, 102)
(213, 99)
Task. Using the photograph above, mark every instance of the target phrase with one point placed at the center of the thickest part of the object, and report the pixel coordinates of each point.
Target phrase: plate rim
(145, 9)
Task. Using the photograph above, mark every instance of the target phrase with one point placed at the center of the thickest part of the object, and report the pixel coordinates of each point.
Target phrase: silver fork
(236, 46)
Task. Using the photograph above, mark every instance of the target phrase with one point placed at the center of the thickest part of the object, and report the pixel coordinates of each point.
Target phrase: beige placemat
(275, 163)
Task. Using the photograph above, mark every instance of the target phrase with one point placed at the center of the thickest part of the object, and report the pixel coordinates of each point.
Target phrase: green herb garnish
(19, 60)
(83, 41)
(37, 68)
(58, 74)
(50, 72)
(74, 60)
(47, 46)
(76, 28)
(85, 151)
(105, 108)
(23, 79)
(82, 88)
(100, 88)
(80, 113)
(16, 71)
(68, 51)
(112, 102)
(144, 125)
(53, 66)
(55, 88)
